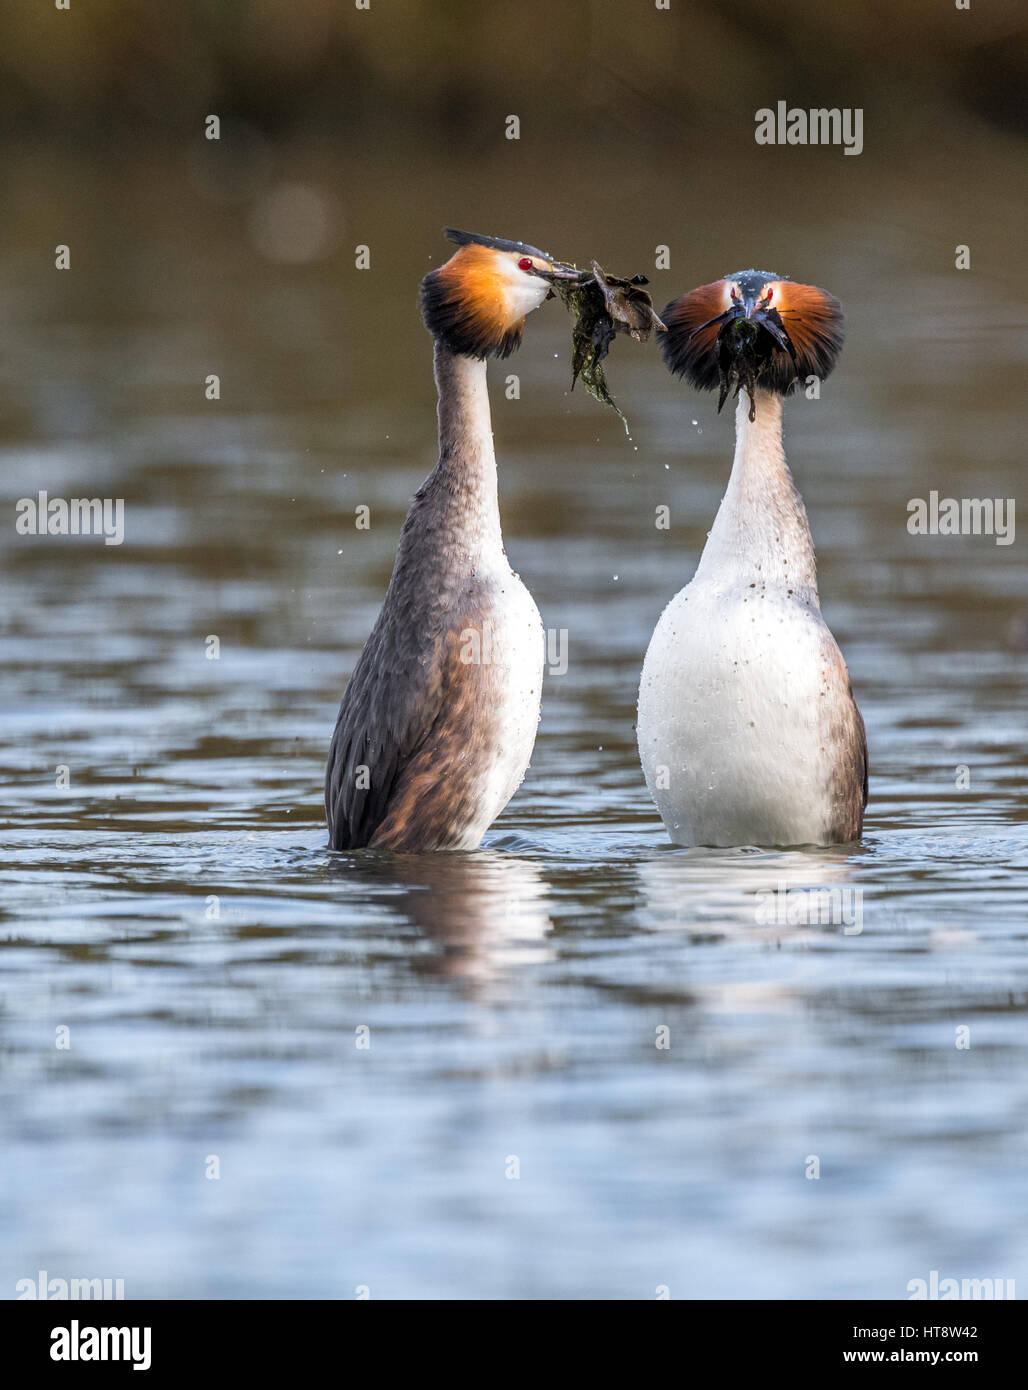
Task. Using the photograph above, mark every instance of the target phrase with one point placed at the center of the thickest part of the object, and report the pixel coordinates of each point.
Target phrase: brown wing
(406, 738)
(846, 734)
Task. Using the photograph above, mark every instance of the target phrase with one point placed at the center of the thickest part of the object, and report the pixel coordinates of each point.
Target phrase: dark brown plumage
(847, 789)
(422, 754)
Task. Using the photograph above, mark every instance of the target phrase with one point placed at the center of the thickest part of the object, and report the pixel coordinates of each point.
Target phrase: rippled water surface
(176, 909)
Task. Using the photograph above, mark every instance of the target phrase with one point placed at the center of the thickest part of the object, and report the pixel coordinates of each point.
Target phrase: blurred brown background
(636, 130)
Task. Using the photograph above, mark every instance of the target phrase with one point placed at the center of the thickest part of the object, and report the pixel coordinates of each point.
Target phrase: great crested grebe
(748, 730)
(438, 722)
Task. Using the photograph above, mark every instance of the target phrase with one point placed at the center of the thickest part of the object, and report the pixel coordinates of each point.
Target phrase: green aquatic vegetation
(603, 306)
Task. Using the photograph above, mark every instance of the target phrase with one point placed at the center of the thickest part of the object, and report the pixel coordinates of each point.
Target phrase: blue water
(513, 1128)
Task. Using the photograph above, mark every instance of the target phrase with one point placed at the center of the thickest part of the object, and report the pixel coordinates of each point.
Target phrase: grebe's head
(752, 330)
(476, 303)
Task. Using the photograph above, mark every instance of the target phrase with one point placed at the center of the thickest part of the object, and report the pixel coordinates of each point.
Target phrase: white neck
(761, 535)
(466, 471)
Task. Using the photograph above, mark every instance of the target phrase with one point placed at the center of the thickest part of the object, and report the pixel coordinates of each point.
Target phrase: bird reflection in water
(484, 911)
(734, 892)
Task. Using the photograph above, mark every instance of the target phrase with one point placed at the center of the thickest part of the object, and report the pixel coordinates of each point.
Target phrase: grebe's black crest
(496, 243)
(752, 330)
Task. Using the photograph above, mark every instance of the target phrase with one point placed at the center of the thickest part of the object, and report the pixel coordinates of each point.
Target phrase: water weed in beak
(602, 306)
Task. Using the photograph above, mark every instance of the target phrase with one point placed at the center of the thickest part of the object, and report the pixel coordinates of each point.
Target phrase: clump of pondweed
(602, 306)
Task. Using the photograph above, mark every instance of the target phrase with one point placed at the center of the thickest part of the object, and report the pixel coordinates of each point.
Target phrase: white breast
(514, 650)
(735, 708)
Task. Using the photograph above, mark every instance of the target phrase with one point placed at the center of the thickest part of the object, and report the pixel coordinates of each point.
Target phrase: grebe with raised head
(748, 730)
(437, 725)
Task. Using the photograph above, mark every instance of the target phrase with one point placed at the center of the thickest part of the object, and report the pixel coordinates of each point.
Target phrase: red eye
(735, 294)
(770, 293)
(525, 263)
